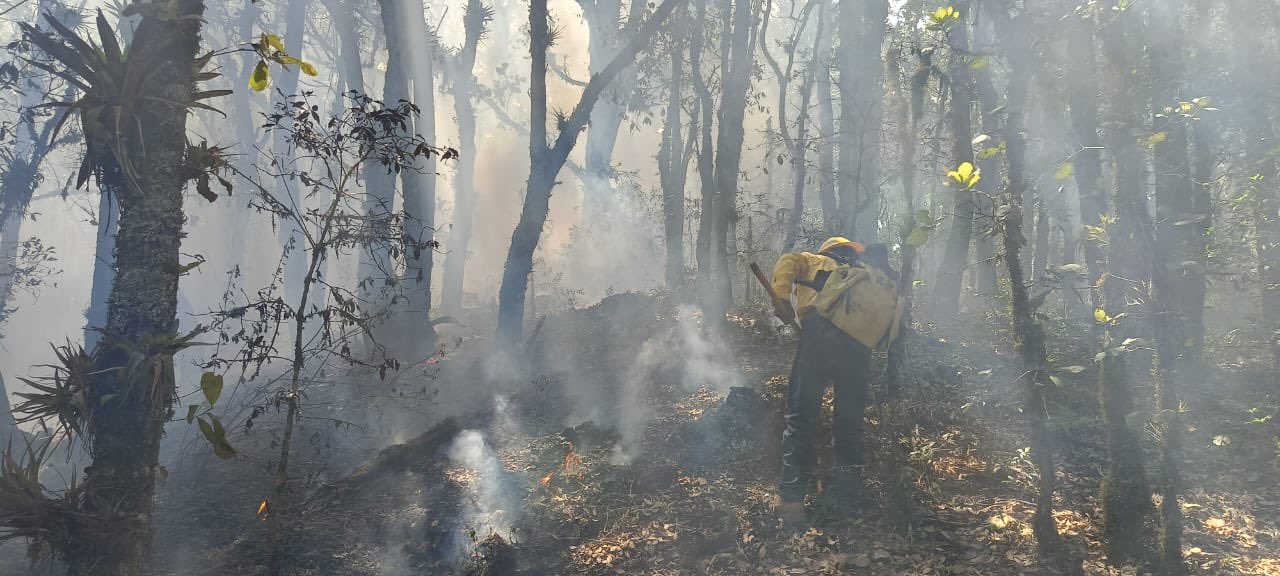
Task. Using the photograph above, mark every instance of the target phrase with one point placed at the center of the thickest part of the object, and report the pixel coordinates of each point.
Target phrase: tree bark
(1082, 95)
(546, 161)
(737, 30)
(671, 167)
(706, 155)
(605, 38)
(286, 85)
(827, 136)
(947, 287)
(464, 203)
(417, 336)
(1126, 500)
(1030, 336)
(861, 30)
(132, 397)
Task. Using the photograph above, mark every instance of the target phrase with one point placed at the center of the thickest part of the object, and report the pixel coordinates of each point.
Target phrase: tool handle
(768, 288)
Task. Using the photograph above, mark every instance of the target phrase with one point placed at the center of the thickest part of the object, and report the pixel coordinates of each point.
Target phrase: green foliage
(213, 431)
(270, 48)
(114, 83)
(59, 399)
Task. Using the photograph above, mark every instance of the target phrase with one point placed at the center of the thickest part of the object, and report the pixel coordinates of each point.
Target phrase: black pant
(826, 354)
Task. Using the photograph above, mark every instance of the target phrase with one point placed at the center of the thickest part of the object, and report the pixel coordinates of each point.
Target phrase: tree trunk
(827, 137)
(286, 85)
(1082, 95)
(129, 406)
(417, 336)
(947, 286)
(605, 38)
(1178, 284)
(861, 30)
(1126, 498)
(1030, 338)
(733, 107)
(706, 162)
(984, 265)
(546, 162)
(464, 203)
(671, 169)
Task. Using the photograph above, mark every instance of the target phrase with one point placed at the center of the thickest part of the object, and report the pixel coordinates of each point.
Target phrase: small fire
(547, 479)
(264, 507)
(571, 460)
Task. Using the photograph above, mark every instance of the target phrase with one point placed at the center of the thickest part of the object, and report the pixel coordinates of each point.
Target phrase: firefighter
(846, 309)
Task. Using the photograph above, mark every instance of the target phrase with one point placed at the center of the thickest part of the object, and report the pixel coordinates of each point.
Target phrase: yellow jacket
(867, 311)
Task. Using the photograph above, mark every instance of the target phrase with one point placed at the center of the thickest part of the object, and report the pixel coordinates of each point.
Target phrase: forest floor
(681, 480)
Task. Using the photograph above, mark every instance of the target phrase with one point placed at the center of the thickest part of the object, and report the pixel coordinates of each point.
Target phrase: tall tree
(826, 136)
(674, 153)
(797, 147)
(547, 160)
(1178, 282)
(1257, 122)
(1082, 97)
(461, 71)
(738, 35)
(1126, 496)
(1030, 338)
(294, 262)
(130, 390)
(946, 293)
(608, 34)
(861, 28)
(419, 184)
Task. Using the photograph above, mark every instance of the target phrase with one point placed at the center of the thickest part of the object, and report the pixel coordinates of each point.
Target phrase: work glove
(783, 310)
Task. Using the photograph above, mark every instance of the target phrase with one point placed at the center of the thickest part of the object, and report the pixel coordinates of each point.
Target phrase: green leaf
(1073, 369)
(1155, 139)
(217, 437)
(261, 75)
(211, 386)
(917, 238)
(980, 62)
(1064, 171)
(191, 412)
(924, 218)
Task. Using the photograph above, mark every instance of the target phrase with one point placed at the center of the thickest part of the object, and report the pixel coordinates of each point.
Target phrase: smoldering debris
(493, 556)
(492, 504)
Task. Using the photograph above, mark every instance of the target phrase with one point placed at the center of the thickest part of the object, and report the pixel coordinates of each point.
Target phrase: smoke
(685, 358)
(493, 506)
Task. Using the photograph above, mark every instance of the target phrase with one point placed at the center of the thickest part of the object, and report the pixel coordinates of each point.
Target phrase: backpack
(862, 301)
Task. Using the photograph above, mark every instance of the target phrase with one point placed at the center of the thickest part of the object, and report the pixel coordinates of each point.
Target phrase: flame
(547, 479)
(263, 507)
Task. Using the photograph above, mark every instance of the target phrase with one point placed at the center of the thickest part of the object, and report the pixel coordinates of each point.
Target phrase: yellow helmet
(838, 241)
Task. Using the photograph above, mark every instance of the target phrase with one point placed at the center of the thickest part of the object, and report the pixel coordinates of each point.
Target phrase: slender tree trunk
(733, 107)
(951, 270)
(671, 169)
(129, 406)
(604, 19)
(464, 203)
(414, 325)
(861, 28)
(546, 161)
(286, 85)
(1082, 96)
(1030, 336)
(706, 162)
(984, 266)
(827, 136)
(1126, 499)
(1178, 285)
